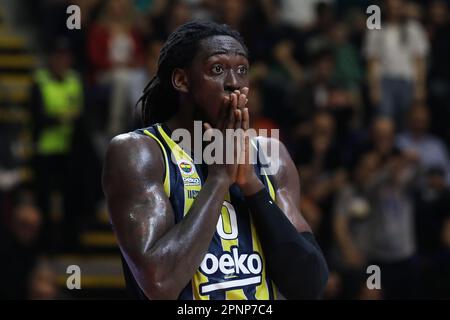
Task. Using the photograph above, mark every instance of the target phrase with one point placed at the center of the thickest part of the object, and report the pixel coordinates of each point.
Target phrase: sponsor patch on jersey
(186, 167)
(188, 181)
(236, 268)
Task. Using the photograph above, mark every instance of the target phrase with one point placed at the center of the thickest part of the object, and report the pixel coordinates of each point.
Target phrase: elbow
(304, 278)
(320, 272)
(157, 284)
(311, 284)
(159, 291)
(161, 287)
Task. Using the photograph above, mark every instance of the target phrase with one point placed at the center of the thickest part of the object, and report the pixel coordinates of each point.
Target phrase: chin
(201, 115)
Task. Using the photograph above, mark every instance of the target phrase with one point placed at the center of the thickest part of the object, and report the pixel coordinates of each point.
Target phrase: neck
(183, 119)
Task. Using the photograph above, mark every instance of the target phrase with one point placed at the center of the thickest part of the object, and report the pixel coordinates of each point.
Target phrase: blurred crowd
(364, 114)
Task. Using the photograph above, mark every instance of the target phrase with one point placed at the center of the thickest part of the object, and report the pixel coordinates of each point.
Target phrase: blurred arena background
(364, 113)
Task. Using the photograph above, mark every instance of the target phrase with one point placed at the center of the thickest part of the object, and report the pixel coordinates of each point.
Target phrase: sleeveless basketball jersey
(234, 267)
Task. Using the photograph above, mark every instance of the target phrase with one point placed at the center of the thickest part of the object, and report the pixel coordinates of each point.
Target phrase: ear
(180, 80)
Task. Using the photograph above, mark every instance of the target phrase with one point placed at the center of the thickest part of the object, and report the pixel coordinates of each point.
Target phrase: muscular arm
(294, 259)
(143, 218)
(287, 185)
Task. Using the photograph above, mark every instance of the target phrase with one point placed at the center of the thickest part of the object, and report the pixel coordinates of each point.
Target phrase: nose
(231, 82)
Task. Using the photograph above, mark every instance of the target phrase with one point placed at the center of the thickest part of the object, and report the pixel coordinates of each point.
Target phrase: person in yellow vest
(56, 103)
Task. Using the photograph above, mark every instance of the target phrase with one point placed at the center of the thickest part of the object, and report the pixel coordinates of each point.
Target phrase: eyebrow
(224, 51)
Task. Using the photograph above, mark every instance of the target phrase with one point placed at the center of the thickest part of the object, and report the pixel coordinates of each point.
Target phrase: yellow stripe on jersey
(177, 151)
(262, 290)
(181, 157)
(227, 221)
(166, 163)
(228, 227)
(273, 196)
(264, 173)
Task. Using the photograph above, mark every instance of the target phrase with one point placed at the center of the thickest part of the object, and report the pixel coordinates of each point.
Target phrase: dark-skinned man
(197, 231)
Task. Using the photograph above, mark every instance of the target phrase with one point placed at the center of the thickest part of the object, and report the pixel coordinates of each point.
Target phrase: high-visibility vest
(59, 98)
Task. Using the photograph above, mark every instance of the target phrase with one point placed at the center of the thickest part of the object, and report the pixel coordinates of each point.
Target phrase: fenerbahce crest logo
(187, 169)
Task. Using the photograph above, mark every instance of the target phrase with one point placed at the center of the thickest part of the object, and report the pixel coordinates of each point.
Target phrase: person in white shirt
(430, 149)
(396, 56)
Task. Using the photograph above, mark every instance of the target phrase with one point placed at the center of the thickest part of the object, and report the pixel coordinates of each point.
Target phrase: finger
(246, 142)
(238, 94)
(232, 109)
(238, 120)
(237, 139)
(245, 119)
(241, 102)
(208, 131)
(245, 90)
(207, 126)
(236, 100)
(247, 151)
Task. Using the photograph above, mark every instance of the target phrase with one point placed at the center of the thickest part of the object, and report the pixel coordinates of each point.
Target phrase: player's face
(220, 67)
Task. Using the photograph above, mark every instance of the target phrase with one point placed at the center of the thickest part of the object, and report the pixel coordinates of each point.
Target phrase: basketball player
(219, 231)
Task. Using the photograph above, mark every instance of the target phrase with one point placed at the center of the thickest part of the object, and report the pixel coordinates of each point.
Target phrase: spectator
(317, 33)
(167, 16)
(144, 74)
(347, 68)
(429, 148)
(320, 170)
(348, 71)
(115, 50)
(320, 92)
(431, 209)
(396, 56)
(391, 223)
(350, 223)
(19, 249)
(42, 282)
(57, 100)
(305, 14)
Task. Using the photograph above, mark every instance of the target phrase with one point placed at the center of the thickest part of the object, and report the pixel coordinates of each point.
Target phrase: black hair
(160, 100)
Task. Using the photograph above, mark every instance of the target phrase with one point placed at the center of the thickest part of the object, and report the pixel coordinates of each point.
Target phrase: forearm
(294, 260)
(187, 241)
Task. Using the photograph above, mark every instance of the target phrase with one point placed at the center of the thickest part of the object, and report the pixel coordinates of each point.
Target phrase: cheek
(208, 96)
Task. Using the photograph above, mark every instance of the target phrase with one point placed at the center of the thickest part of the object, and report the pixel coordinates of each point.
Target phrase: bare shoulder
(287, 181)
(131, 157)
(279, 160)
(269, 143)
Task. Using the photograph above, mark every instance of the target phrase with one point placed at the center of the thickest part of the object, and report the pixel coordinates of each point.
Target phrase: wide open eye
(217, 69)
(242, 70)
